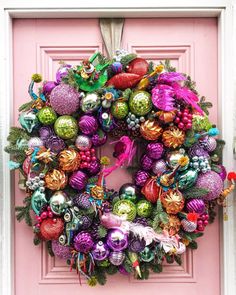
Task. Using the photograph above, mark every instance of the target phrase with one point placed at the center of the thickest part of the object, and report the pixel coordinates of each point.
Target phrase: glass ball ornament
(128, 191)
(144, 208)
(126, 209)
(83, 142)
(173, 157)
(140, 103)
(187, 178)
(38, 201)
(100, 251)
(58, 202)
(90, 103)
(116, 257)
(146, 255)
(66, 127)
(47, 116)
(119, 109)
(117, 240)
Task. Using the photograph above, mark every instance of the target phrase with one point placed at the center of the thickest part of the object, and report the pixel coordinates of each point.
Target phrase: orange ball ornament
(69, 160)
(173, 137)
(51, 228)
(166, 117)
(56, 180)
(173, 225)
(151, 190)
(173, 201)
(150, 129)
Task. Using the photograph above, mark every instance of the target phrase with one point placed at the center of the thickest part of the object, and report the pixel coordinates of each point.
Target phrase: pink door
(191, 45)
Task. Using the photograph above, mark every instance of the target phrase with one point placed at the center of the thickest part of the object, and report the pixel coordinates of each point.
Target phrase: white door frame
(222, 9)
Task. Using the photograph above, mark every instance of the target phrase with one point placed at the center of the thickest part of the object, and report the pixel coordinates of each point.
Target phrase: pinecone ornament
(82, 201)
(86, 222)
(120, 129)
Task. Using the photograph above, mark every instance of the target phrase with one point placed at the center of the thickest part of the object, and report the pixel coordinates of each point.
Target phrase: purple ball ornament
(35, 142)
(198, 150)
(78, 180)
(212, 182)
(86, 222)
(83, 142)
(45, 132)
(62, 72)
(210, 144)
(155, 150)
(100, 251)
(94, 167)
(116, 67)
(159, 167)
(117, 240)
(83, 242)
(223, 172)
(141, 177)
(99, 138)
(55, 144)
(117, 257)
(195, 205)
(61, 251)
(48, 86)
(64, 99)
(88, 124)
(146, 162)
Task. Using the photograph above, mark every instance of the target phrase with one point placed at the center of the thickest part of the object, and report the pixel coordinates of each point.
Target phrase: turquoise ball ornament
(28, 121)
(140, 103)
(38, 201)
(187, 179)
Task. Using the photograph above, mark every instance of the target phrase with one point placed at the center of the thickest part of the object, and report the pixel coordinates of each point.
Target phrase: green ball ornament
(187, 179)
(66, 127)
(144, 208)
(47, 116)
(125, 208)
(120, 109)
(146, 255)
(140, 103)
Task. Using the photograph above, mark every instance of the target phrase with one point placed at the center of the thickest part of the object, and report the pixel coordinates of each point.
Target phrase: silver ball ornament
(58, 202)
(83, 142)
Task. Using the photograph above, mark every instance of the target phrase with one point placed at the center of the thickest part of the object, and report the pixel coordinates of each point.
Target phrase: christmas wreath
(177, 182)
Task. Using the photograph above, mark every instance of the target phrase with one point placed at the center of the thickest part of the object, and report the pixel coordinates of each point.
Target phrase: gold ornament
(173, 225)
(150, 129)
(45, 155)
(56, 180)
(173, 137)
(97, 192)
(173, 201)
(166, 117)
(69, 160)
(38, 104)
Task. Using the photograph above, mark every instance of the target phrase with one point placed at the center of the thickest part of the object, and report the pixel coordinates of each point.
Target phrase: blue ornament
(28, 120)
(38, 201)
(116, 67)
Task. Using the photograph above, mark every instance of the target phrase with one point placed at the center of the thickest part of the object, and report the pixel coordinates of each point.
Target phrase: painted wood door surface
(191, 45)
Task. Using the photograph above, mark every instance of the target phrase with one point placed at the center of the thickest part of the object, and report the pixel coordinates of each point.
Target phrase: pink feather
(163, 97)
(170, 77)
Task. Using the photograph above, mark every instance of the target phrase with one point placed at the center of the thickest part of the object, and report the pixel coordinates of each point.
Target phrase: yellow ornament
(173, 137)
(55, 180)
(150, 129)
(69, 160)
(173, 201)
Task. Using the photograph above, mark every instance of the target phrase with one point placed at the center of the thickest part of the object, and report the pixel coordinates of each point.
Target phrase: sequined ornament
(38, 201)
(83, 142)
(128, 191)
(47, 116)
(117, 240)
(28, 120)
(187, 178)
(173, 137)
(166, 117)
(146, 162)
(82, 201)
(55, 180)
(58, 202)
(125, 208)
(141, 177)
(66, 127)
(61, 251)
(116, 257)
(144, 208)
(212, 182)
(201, 123)
(64, 99)
(116, 67)
(51, 228)
(136, 245)
(195, 205)
(173, 158)
(151, 130)
(78, 180)
(155, 150)
(69, 160)
(140, 103)
(151, 190)
(173, 201)
(159, 167)
(146, 255)
(83, 242)
(35, 142)
(100, 251)
(55, 144)
(188, 226)
(119, 109)
(173, 225)
(88, 124)
(90, 102)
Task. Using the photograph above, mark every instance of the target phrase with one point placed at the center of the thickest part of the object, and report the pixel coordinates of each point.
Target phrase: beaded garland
(177, 183)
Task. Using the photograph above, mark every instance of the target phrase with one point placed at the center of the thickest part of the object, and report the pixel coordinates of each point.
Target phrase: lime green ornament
(144, 208)
(200, 123)
(66, 127)
(140, 103)
(126, 209)
(47, 116)
(120, 109)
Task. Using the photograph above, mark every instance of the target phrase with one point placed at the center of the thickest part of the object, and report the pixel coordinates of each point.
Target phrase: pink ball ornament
(88, 124)
(212, 182)
(83, 143)
(78, 180)
(64, 99)
(35, 142)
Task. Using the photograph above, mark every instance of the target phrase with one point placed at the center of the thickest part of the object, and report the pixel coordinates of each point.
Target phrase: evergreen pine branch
(157, 268)
(193, 245)
(23, 212)
(125, 60)
(167, 66)
(49, 248)
(190, 236)
(195, 192)
(111, 269)
(100, 276)
(36, 240)
(127, 265)
(150, 67)
(26, 106)
(144, 271)
(205, 105)
(178, 259)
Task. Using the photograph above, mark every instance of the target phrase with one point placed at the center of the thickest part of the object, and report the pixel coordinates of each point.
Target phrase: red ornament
(51, 229)
(138, 66)
(151, 190)
(124, 80)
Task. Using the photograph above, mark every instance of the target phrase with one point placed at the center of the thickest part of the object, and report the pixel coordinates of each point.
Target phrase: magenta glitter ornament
(61, 251)
(155, 150)
(212, 182)
(116, 257)
(198, 150)
(64, 99)
(210, 144)
(88, 124)
(94, 167)
(159, 167)
(146, 162)
(78, 180)
(117, 240)
(99, 138)
(62, 72)
(141, 177)
(83, 142)
(195, 205)
(100, 251)
(49, 86)
(83, 242)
